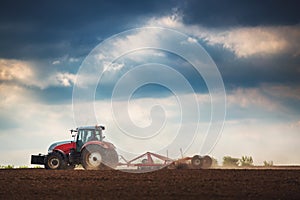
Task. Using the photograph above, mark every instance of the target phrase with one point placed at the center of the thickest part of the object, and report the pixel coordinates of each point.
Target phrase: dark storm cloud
(256, 70)
(54, 28)
(50, 29)
(241, 13)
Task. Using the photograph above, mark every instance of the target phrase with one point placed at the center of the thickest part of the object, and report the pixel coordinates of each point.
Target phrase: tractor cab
(86, 134)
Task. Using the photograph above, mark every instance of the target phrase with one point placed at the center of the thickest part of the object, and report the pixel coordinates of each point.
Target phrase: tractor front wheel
(55, 160)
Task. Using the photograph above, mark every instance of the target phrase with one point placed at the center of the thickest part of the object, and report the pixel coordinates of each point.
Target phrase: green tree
(246, 161)
(230, 162)
(268, 163)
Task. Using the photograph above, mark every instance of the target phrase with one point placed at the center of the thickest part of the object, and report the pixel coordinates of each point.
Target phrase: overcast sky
(254, 44)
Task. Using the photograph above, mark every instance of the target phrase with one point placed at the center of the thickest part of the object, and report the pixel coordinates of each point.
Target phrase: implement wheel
(197, 162)
(206, 162)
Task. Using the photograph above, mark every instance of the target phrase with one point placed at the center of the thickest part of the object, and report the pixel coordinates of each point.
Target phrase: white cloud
(108, 67)
(251, 41)
(192, 40)
(268, 102)
(251, 97)
(282, 91)
(73, 59)
(242, 41)
(25, 73)
(12, 95)
(56, 62)
(64, 79)
(15, 70)
(171, 21)
(65, 59)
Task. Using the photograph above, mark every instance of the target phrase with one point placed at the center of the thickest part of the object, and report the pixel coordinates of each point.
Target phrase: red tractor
(87, 149)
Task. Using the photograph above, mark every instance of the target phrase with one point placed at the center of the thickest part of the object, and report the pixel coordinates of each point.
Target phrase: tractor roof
(91, 127)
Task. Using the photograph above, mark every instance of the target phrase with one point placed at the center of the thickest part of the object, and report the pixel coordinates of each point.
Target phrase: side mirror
(73, 131)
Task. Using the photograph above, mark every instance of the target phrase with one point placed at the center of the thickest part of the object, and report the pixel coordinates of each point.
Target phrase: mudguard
(105, 145)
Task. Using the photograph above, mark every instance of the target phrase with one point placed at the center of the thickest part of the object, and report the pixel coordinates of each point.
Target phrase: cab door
(81, 137)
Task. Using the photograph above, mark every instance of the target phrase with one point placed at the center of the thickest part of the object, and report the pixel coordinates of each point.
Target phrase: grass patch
(7, 167)
(23, 167)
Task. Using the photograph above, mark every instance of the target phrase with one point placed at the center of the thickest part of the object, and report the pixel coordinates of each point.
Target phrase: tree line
(244, 161)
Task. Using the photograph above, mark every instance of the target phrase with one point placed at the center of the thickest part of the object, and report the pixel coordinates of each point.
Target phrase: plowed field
(162, 184)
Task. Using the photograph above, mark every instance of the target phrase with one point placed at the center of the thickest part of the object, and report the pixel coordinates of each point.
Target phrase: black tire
(111, 158)
(206, 162)
(94, 157)
(197, 162)
(91, 157)
(55, 160)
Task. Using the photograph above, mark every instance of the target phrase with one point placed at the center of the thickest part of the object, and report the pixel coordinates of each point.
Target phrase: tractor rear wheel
(92, 157)
(55, 160)
(111, 158)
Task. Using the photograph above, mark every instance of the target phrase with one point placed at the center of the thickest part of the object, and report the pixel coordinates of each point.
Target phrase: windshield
(85, 135)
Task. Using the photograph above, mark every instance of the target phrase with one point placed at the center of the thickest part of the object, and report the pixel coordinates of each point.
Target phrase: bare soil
(162, 184)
